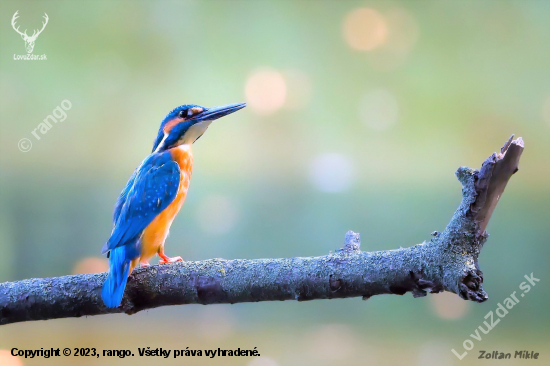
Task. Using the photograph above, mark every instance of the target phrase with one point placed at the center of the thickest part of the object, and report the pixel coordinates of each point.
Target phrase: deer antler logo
(29, 41)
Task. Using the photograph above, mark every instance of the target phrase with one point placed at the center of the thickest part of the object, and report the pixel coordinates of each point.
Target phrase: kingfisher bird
(154, 195)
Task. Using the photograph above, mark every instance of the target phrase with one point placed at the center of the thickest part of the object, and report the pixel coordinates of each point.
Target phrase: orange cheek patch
(170, 124)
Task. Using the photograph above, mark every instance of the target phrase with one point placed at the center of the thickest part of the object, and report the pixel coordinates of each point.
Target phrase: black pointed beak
(213, 113)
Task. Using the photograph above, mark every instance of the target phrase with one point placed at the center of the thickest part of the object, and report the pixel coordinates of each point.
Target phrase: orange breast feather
(155, 234)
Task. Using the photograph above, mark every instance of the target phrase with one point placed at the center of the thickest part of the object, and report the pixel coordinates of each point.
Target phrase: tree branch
(449, 261)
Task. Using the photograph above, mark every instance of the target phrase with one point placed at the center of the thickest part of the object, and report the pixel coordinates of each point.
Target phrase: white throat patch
(194, 132)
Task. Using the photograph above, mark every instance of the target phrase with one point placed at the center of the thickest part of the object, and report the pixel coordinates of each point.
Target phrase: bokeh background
(359, 112)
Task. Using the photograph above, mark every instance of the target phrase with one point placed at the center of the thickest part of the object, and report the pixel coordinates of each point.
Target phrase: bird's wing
(154, 187)
(123, 195)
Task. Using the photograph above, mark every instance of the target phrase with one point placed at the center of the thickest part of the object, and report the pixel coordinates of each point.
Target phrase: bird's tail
(119, 267)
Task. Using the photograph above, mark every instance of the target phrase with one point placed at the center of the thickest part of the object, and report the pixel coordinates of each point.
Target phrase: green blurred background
(358, 114)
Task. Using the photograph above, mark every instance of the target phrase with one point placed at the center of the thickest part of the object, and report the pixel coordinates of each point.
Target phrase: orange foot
(165, 259)
(145, 264)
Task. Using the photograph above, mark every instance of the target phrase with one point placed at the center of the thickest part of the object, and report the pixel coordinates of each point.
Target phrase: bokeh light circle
(332, 172)
(6, 359)
(265, 91)
(91, 265)
(448, 305)
(404, 31)
(331, 344)
(365, 29)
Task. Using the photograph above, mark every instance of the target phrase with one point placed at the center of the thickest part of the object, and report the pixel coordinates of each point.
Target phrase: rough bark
(449, 261)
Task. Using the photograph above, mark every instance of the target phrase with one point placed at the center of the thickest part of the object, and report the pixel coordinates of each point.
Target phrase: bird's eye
(182, 113)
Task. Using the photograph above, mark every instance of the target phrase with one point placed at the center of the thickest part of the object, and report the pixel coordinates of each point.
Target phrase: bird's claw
(165, 260)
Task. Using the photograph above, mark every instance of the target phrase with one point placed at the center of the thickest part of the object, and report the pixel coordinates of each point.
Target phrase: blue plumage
(113, 288)
(152, 187)
(122, 197)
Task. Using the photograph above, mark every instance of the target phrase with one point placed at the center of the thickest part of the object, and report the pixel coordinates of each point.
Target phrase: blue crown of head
(170, 116)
